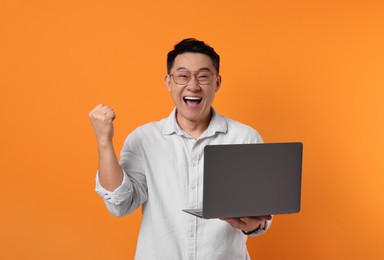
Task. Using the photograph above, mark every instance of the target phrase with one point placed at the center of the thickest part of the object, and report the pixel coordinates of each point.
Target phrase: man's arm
(110, 172)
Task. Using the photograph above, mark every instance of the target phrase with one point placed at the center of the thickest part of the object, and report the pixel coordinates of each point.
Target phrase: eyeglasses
(182, 77)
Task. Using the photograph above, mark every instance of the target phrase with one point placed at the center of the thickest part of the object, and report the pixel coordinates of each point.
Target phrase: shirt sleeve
(257, 137)
(133, 190)
(117, 196)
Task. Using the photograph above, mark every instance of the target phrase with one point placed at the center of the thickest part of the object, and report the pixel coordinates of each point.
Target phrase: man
(161, 165)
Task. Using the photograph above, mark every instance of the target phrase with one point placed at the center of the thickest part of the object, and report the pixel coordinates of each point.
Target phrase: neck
(194, 128)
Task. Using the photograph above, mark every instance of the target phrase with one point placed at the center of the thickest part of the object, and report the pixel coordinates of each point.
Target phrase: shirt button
(191, 234)
(193, 186)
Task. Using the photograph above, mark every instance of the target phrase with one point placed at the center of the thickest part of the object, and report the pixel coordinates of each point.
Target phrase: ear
(218, 83)
(167, 80)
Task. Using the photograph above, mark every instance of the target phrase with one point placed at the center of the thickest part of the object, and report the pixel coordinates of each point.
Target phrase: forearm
(122, 189)
(110, 172)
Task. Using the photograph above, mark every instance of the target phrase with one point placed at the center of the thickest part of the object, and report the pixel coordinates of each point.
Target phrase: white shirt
(163, 171)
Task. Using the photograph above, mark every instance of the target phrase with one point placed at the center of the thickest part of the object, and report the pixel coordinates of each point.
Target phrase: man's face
(193, 100)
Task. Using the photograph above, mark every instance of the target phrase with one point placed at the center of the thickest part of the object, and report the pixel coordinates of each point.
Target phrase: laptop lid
(252, 179)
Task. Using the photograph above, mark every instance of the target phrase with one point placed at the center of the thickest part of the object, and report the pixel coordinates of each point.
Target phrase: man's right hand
(102, 122)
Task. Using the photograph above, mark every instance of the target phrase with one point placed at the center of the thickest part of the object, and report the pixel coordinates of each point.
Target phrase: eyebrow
(201, 69)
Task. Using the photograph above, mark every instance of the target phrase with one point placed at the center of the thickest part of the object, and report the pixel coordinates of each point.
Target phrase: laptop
(251, 180)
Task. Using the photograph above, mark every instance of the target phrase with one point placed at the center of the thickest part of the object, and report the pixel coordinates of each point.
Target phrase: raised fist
(102, 122)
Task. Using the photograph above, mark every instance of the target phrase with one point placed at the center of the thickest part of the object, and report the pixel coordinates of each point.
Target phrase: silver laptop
(251, 180)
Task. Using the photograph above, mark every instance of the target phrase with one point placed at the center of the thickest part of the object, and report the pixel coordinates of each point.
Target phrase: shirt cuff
(117, 196)
(263, 230)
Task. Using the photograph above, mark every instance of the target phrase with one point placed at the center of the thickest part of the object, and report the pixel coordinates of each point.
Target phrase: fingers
(248, 220)
(110, 115)
(252, 223)
(267, 217)
(102, 113)
(95, 109)
(101, 118)
(236, 223)
(248, 223)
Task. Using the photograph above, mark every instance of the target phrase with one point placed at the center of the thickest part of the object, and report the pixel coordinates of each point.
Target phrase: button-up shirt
(163, 172)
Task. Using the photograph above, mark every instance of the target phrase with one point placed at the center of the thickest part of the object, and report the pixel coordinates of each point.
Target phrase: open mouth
(192, 101)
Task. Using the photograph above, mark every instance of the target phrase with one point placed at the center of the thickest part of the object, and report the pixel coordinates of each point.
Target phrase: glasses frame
(193, 74)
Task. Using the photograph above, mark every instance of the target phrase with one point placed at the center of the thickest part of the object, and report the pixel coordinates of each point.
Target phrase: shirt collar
(217, 124)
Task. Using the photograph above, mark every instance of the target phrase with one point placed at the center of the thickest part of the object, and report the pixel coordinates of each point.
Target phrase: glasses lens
(181, 77)
(204, 77)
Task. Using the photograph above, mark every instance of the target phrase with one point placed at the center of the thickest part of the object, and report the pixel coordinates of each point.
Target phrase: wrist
(256, 229)
(104, 142)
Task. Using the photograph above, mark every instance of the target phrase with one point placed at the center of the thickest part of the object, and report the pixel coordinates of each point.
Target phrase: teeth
(192, 98)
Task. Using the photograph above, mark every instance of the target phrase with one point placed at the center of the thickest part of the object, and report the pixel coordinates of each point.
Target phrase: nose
(193, 85)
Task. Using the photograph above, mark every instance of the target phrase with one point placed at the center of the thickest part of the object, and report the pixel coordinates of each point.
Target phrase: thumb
(267, 217)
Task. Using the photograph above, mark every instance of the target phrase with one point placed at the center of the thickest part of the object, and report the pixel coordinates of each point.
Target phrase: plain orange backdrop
(310, 71)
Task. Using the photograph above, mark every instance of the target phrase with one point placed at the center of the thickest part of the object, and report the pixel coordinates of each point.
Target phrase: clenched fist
(102, 122)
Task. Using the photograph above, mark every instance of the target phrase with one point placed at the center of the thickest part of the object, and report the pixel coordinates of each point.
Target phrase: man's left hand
(248, 224)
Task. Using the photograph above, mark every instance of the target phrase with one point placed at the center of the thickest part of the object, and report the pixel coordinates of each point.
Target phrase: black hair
(194, 46)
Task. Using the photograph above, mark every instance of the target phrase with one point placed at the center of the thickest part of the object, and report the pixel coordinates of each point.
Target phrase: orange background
(310, 71)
